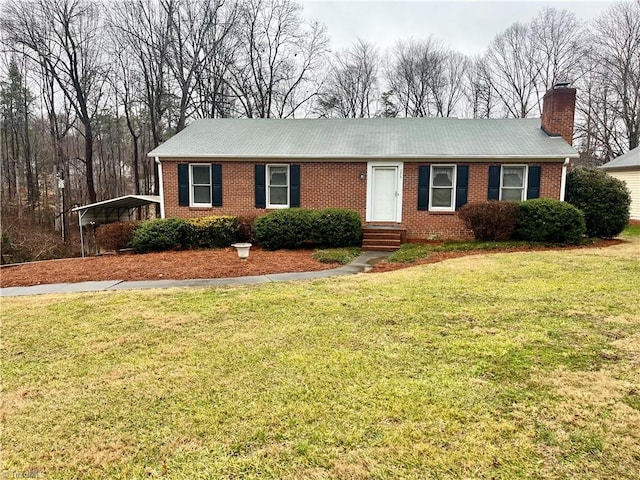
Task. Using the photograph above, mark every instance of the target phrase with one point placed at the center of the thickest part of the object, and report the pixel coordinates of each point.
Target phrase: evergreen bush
(549, 220)
(337, 227)
(604, 200)
(300, 227)
(159, 234)
(286, 228)
(211, 232)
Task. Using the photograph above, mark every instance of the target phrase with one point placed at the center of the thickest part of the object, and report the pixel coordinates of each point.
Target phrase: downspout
(161, 190)
(563, 181)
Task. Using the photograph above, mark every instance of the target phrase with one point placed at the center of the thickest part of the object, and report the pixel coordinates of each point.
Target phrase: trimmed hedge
(159, 234)
(287, 228)
(115, 236)
(604, 200)
(548, 220)
(491, 220)
(211, 232)
(300, 227)
(177, 233)
(338, 227)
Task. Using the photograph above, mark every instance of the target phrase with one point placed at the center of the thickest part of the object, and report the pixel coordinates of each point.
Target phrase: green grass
(341, 256)
(410, 252)
(631, 231)
(507, 366)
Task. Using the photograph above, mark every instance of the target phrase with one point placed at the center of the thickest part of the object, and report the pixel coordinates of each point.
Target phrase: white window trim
(268, 185)
(525, 180)
(454, 180)
(192, 203)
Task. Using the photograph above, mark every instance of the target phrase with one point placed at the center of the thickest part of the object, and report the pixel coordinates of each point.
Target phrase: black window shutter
(183, 184)
(533, 182)
(494, 183)
(294, 183)
(423, 187)
(261, 194)
(462, 183)
(216, 185)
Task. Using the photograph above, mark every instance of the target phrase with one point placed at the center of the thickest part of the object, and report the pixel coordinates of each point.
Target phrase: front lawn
(515, 366)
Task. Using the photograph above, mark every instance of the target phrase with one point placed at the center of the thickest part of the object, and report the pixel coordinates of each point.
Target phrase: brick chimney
(558, 108)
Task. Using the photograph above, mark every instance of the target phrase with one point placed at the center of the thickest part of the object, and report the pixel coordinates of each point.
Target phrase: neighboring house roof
(365, 138)
(628, 161)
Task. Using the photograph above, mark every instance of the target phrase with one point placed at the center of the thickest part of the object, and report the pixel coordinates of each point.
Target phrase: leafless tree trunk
(351, 89)
(273, 77)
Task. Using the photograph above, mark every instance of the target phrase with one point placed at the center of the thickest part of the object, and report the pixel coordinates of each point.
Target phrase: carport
(119, 209)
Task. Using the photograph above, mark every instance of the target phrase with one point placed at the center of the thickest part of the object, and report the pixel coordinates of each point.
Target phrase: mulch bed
(161, 266)
(203, 264)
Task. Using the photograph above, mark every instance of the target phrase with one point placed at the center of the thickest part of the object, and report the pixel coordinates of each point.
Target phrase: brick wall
(322, 185)
(336, 184)
(558, 110)
(447, 225)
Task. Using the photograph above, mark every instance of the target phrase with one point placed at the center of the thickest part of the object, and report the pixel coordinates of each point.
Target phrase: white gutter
(161, 190)
(563, 181)
(390, 157)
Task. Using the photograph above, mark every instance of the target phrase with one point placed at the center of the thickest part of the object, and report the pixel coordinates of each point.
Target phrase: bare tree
(480, 97)
(64, 35)
(279, 54)
(616, 41)
(426, 78)
(351, 89)
(197, 30)
(557, 38)
(144, 30)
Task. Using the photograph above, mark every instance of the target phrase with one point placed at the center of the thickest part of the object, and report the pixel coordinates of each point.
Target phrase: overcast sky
(466, 26)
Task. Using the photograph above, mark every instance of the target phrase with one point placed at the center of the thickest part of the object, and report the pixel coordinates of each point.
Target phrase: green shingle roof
(364, 138)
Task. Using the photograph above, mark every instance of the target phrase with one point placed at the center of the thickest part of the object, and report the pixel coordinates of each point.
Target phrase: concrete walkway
(361, 264)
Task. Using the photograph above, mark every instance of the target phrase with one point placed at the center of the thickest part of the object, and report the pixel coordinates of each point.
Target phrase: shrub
(159, 234)
(337, 227)
(490, 220)
(245, 232)
(288, 228)
(115, 236)
(211, 232)
(548, 220)
(341, 256)
(604, 200)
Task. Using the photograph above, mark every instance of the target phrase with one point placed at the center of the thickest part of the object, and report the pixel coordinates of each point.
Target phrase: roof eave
(560, 156)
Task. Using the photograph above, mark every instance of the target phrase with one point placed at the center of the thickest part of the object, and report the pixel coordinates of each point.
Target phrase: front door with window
(384, 193)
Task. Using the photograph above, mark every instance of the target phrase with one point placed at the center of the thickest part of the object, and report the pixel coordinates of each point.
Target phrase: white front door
(384, 193)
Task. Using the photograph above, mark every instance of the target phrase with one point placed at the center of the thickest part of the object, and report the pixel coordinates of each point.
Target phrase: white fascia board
(364, 158)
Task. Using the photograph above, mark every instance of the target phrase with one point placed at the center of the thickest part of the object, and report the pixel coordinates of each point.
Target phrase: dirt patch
(161, 266)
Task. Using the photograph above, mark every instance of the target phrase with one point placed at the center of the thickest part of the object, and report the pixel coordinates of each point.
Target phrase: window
(200, 185)
(443, 180)
(513, 182)
(277, 186)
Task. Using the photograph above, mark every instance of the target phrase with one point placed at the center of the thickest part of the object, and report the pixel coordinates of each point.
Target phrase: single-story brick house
(627, 168)
(408, 173)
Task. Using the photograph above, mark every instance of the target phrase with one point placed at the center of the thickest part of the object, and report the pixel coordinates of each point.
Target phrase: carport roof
(109, 210)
